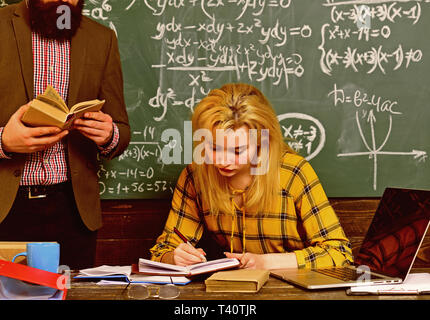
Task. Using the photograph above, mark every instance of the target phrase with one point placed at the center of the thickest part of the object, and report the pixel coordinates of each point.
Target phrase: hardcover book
(242, 280)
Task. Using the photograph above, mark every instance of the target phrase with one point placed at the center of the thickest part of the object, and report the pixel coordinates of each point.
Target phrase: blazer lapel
(77, 64)
(21, 26)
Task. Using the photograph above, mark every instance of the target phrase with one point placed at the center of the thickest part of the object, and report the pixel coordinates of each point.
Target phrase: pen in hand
(183, 238)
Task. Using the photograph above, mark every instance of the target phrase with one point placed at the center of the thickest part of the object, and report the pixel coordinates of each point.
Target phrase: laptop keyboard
(345, 274)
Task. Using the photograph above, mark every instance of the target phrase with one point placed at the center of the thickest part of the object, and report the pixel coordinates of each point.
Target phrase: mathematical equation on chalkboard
(203, 42)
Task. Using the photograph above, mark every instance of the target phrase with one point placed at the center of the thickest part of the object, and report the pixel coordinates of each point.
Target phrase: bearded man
(49, 187)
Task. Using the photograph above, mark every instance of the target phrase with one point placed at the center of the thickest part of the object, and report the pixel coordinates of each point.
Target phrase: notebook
(123, 274)
(415, 283)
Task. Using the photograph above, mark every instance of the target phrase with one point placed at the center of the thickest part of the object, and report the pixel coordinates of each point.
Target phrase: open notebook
(150, 267)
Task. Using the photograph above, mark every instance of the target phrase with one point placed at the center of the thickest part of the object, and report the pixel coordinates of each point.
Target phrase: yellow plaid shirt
(304, 223)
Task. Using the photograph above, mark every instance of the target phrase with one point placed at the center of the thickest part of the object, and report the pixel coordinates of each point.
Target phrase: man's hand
(19, 138)
(96, 126)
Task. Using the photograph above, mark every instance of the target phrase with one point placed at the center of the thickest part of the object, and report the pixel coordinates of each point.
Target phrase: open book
(49, 109)
(158, 268)
(8, 249)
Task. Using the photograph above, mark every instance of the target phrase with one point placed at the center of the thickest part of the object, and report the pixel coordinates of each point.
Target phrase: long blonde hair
(231, 107)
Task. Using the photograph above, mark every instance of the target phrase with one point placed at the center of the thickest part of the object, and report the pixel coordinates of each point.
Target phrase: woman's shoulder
(294, 165)
(185, 183)
(292, 160)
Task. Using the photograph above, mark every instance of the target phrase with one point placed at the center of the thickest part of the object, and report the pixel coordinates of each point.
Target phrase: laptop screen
(396, 232)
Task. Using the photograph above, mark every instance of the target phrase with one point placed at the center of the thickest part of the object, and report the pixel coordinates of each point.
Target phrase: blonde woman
(261, 202)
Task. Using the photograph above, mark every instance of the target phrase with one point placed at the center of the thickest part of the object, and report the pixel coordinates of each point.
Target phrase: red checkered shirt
(51, 60)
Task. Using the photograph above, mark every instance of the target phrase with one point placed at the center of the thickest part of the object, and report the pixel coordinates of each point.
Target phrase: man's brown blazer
(95, 72)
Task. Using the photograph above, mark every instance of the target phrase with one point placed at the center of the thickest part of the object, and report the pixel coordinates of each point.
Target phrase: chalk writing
(303, 133)
(376, 105)
(360, 99)
(175, 51)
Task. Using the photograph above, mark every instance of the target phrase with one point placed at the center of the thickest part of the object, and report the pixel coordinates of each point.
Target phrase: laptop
(388, 250)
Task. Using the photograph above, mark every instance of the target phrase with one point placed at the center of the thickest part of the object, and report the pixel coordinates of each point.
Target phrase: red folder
(33, 275)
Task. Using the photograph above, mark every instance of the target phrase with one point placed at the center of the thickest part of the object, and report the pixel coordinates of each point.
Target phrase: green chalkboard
(349, 81)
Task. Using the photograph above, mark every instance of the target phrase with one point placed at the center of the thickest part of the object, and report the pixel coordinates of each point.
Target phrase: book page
(43, 114)
(94, 105)
(105, 271)
(152, 267)
(145, 264)
(153, 270)
(212, 265)
(49, 109)
(80, 111)
(52, 97)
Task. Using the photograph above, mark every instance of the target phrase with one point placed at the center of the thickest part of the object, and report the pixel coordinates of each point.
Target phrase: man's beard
(47, 22)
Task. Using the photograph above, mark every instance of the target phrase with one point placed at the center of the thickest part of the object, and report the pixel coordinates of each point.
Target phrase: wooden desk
(274, 289)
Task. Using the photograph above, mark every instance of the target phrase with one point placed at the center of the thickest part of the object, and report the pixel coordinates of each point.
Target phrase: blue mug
(42, 255)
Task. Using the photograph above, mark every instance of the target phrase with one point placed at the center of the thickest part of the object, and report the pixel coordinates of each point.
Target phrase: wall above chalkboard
(349, 81)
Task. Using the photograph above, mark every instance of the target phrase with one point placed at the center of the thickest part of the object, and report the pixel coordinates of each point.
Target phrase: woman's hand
(268, 261)
(184, 255)
(248, 260)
